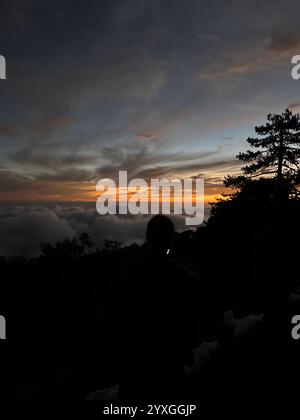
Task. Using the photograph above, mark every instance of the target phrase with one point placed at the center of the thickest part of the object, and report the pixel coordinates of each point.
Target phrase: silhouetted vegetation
(277, 154)
(228, 290)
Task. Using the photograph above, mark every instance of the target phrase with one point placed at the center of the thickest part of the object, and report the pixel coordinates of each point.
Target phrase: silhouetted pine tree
(276, 155)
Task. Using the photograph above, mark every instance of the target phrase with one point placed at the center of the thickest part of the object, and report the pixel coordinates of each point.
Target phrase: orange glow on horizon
(86, 192)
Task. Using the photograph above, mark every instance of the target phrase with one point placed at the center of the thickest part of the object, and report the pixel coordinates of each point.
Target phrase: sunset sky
(157, 88)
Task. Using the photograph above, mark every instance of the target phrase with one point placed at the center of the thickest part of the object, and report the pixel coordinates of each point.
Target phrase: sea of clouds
(24, 227)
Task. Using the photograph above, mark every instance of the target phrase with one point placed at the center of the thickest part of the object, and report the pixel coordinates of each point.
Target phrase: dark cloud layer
(100, 73)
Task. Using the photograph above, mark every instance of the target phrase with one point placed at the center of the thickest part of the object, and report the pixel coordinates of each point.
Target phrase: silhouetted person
(157, 324)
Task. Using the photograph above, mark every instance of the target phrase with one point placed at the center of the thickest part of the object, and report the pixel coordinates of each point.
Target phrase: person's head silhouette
(160, 233)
